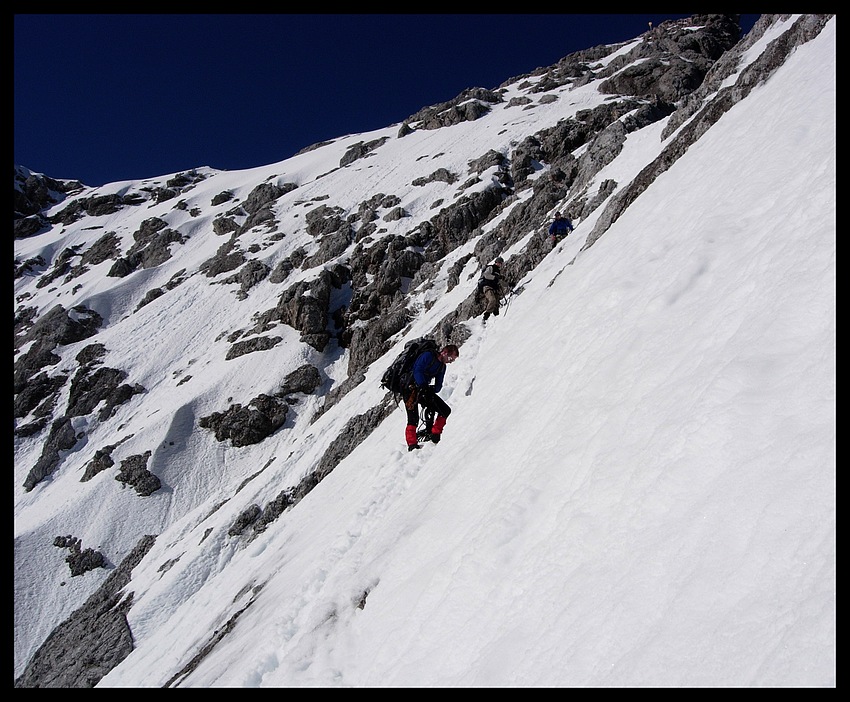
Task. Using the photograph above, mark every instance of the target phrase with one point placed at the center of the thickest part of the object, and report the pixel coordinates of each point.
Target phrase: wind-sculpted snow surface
(635, 486)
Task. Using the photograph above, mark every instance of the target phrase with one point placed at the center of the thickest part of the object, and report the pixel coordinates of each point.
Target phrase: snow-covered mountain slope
(636, 484)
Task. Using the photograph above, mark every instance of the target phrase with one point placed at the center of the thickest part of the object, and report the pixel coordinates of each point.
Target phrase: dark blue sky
(105, 98)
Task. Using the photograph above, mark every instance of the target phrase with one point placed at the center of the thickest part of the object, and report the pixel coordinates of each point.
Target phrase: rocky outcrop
(806, 28)
(248, 276)
(35, 192)
(95, 206)
(360, 150)
(90, 387)
(248, 425)
(151, 248)
(466, 107)
(94, 639)
(673, 59)
(305, 307)
(79, 560)
(304, 379)
(259, 343)
(134, 472)
(228, 258)
(259, 205)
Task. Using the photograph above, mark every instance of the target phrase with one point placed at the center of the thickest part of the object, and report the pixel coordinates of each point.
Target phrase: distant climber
(429, 365)
(560, 228)
(491, 286)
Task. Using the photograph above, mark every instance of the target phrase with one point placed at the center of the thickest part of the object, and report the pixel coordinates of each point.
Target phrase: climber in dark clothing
(490, 285)
(559, 229)
(428, 366)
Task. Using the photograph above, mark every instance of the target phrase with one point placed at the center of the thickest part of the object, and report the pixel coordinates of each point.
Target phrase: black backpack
(397, 377)
(483, 282)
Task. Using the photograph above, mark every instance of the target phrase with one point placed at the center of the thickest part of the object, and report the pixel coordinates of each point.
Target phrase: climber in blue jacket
(559, 229)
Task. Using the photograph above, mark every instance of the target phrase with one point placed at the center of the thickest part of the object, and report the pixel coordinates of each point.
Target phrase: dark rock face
(62, 437)
(259, 203)
(674, 60)
(58, 328)
(35, 192)
(94, 206)
(101, 461)
(244, 520)
(304, 307)
(134, 472)
(40, 390)
(248, 425)
(466, 107)
(260, 343)
(304, 379)
(79, 560)
(94, 639)
(35, 388)
(88, 390)
(252, 273)
(151, 248)
(360, 150)
(227, 258)
(30, 226)
(104, 249)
